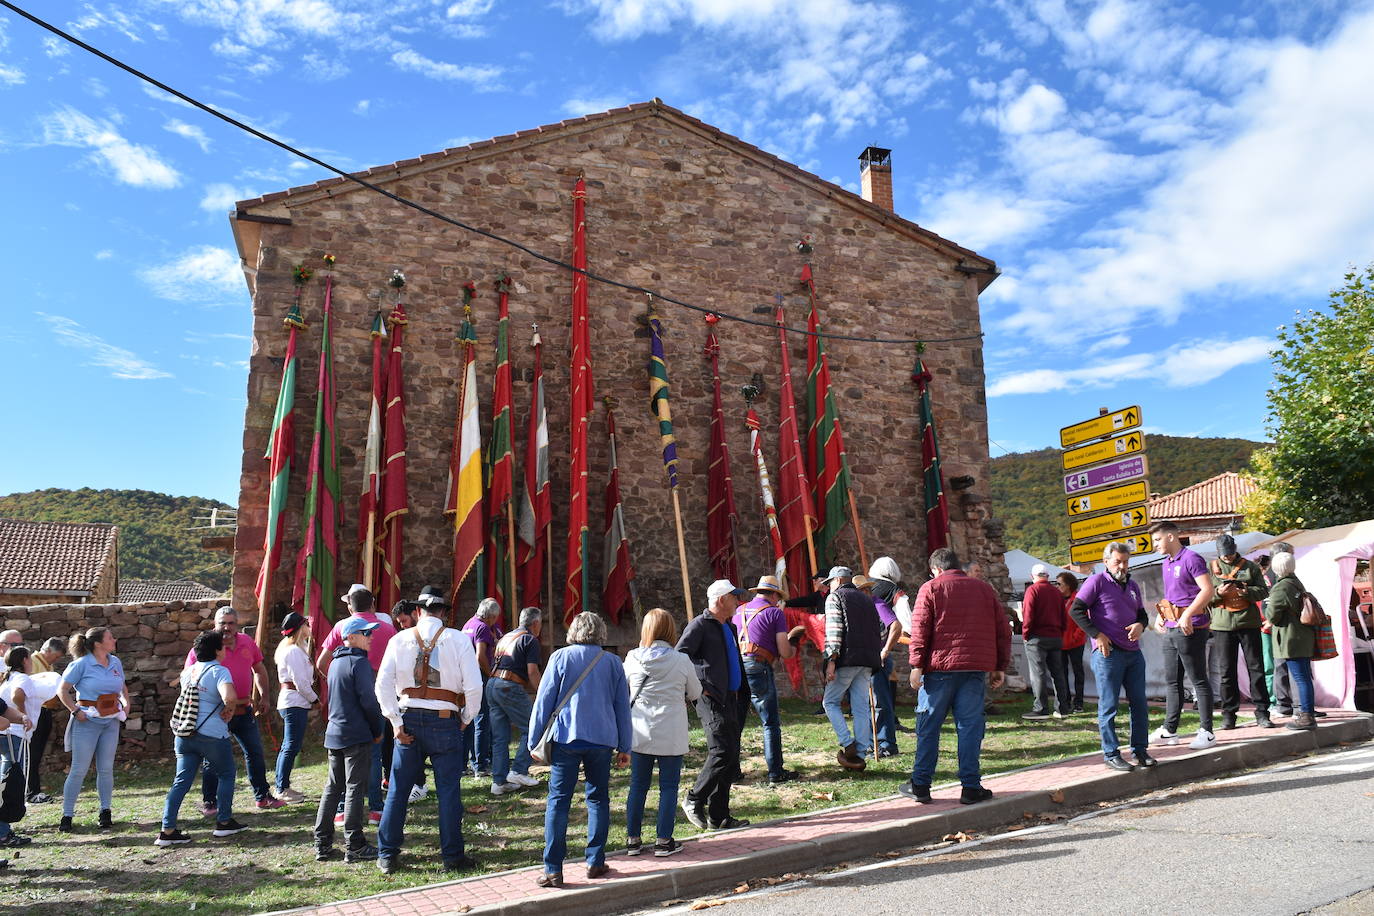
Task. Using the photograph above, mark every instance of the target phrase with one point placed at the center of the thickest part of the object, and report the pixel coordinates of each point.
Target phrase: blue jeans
(669, 777)
(441, 740)
(477, 738)
(1300, 670)
(243, 728)
(943, 692)
(508, 711)
(855, 681)
(193, 753)
(595, 763)
(293, 720)
(763, 690)
(93, 740)
(887, 707)
(1123, 668)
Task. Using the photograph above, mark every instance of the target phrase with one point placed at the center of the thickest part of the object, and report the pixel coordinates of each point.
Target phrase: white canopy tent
(1019, 565)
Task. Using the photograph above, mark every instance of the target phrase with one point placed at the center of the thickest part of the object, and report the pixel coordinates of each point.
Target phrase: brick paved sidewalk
(721, 860)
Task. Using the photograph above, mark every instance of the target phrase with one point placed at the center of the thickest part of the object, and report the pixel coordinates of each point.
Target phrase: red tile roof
(54, 556)
(1219, 495)
(137, 591)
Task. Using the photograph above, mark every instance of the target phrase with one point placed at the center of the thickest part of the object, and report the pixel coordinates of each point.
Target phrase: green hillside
(154, 540)
(1028, 492)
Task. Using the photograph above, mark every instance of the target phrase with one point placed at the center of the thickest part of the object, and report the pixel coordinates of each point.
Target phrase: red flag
(827, 464)
(536, 500)
(395, 500)
(937, 505)
(501, 466)
(616, 582)
(721, 514)
(580, 387)
(281, 449)
(796, 512)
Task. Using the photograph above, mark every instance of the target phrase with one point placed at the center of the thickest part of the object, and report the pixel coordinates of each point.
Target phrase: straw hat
(768, 584)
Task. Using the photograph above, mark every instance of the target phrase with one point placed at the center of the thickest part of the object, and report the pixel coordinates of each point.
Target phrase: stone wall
(152, 642)
(671, 207)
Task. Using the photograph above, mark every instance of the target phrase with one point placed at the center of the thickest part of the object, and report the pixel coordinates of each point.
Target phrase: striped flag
(463, 500)
(770, 511)
(827, 463)
(280, 450)
(501, 463)
(576, 584)
(316, 563)
(721, 514)
(395, 496)
(617, 595)
(933, 483)
(372, 458)
(796, 512)
(536, 497)
(658, 399)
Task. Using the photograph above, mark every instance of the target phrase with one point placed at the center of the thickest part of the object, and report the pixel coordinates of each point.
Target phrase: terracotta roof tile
(1219, 495)
(138, 591)
(54, 556)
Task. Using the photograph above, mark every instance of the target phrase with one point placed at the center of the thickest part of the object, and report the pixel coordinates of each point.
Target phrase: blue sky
(1162, 184)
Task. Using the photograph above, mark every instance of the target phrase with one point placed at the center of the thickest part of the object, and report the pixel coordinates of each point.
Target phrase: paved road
(1285, 840)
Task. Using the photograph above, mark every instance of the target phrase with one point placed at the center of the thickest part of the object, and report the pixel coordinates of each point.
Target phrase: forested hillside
(1028, 492)
(154, 540)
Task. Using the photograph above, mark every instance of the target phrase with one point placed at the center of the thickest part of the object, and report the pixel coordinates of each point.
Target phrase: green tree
(1320, 469)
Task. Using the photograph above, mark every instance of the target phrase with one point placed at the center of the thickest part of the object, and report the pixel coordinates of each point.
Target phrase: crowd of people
(404, 695)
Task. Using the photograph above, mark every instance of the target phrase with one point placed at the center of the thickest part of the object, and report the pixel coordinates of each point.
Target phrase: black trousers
(349, 769)
(1186, 656)
(1073, 670)
(37, 745)
(1227, 644)
(711, 793)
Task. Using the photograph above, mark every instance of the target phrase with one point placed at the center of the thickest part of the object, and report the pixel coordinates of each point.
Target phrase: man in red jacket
(960, 641)
(1042, 624)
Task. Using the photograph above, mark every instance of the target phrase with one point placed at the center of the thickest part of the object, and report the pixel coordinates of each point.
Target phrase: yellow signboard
(1097, 427)
(1115, 447)
(1126, 495)
(1103, 525)
(1091, 552)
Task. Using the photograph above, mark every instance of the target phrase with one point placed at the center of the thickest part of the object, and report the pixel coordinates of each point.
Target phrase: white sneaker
(417, 793)
(1167, 738)
(501, 788)
(1203, 740)
(521, 779)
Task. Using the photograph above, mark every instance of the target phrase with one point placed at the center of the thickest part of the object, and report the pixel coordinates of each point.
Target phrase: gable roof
(1219, 495)
(62, 557)
(138, 591)
(984, 268)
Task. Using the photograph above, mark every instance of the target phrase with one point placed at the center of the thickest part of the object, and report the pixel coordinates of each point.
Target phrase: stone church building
(675, 205)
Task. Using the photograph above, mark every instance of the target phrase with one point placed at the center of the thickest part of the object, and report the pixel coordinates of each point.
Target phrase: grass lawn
(271, 866)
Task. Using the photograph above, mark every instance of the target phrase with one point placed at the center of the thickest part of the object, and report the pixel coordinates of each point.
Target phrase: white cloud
(55, 47)
(469, 9)
(478, 76)
(11, 76)
(362, 107)
(104, 254)
(221, 196)
(1036, 109)
(122, 363)
(130, 163)
(190, 132)
(323, 69)
(205, 274)
(592, 105)
(1111, 342)
(1178, 367)
(981, 217)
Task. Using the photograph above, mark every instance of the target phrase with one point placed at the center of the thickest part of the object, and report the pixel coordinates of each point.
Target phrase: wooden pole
(369, 553)
(858, 532)
(510, 557)
(682, 556)
(811, 552)
(260, 634)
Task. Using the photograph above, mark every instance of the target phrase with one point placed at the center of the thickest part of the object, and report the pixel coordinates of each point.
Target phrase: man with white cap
(853, 650)
(710, 641)
(429, 687)
(884, 581)
(1043, 619)
(763, 631)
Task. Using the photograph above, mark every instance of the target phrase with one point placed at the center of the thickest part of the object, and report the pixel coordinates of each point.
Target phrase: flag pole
(682, 556)
(510, 559)
(858, 532)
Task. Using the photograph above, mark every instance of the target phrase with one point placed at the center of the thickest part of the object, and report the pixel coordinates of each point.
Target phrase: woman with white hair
(1294, 641)
(584, 706)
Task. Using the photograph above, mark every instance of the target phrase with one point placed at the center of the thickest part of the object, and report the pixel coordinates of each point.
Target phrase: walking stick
(873, 714)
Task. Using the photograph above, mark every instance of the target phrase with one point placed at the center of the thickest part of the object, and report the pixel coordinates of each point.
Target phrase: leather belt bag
(433, 693)
(107, 704)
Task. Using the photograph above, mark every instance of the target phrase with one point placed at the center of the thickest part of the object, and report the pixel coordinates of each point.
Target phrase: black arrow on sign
(1130, 416)
(1138, 517)
(1133, 442)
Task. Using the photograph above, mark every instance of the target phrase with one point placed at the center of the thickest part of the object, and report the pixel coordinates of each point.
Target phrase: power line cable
(406, 202)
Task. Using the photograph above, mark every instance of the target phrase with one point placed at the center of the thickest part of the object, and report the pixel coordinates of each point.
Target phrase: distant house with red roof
(58, 562)
(1205, 509)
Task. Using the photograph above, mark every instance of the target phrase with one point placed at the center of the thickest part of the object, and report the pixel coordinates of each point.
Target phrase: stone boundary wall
(153, 639)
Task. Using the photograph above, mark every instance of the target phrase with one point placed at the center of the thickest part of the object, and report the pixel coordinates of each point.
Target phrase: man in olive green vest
(1239, 587)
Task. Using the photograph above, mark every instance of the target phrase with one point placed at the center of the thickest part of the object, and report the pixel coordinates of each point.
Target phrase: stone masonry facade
(673, 205)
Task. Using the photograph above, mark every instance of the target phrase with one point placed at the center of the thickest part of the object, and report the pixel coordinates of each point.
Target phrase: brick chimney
(876, 176)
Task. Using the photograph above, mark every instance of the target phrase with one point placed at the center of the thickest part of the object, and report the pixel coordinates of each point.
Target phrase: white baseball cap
(722, 587)
(1038, 570)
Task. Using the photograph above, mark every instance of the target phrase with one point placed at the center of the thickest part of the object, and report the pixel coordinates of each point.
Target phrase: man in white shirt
(429, 687)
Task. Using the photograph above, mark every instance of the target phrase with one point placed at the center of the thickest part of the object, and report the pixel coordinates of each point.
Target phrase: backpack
(185, 719)
(1312, 613)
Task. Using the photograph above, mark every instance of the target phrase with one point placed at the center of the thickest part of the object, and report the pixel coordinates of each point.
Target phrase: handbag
(1326, 642)
(13, 801)
(541, 751)
(1313, 614)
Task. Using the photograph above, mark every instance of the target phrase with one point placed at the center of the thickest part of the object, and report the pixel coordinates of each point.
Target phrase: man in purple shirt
(1109, 609)
(484, 629)
(1183, 622)
(762, 628)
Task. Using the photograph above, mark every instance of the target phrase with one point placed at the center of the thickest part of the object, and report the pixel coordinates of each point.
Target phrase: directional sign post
(1123, 471)
(1115, 447)
(1093, 503)
(1111, 523)
(1097, 427)
(1091, 552)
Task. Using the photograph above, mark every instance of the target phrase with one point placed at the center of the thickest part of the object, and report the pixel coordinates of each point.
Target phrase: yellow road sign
(1091, 552)
(1097, 427)
(1115, 447)
(1112, 522)
(1114, 498)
